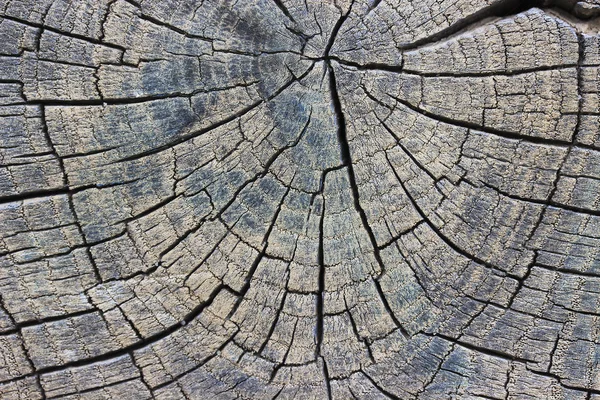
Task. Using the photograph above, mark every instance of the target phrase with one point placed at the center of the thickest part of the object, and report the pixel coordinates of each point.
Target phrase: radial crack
(347, 162)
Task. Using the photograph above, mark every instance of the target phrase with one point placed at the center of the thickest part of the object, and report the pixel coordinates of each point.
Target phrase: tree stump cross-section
(299, 199)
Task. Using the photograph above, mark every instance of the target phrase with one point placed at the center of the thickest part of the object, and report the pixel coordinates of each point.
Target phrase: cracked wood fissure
(298, 199)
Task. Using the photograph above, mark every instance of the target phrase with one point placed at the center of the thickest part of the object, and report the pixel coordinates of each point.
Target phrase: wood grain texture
(299, 199)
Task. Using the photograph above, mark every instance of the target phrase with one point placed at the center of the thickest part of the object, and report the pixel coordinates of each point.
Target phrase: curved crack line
(499, 9)
(473, 126)
(444, 238)
(200, 132)
(135, 346)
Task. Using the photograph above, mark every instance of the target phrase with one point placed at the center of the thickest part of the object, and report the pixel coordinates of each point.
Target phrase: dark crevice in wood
(90, 153)
(327, 379)
(406, 151)
(472, 126)
(248, 280)
(538, 222)
(552, 353)
(285, 356)
(336, 30)
(194, 134)
(568, 271)
(486, 74)
(69, 193)
(164, 24)
(480, 349)
(507, 382)
(363, 340)
(487, 303)
(64, 33)
(549, 201)
(389, 310)
(377, 386)
(438, 369)
(284, 10)
(444, 238)
(397, 237)
(34, 194)
(104, 101)
(109, 355)
(39, 321)
(202, 363)
(38, 381)
(485, 129)
(370, 66)
(129, 321)
(277, 315)
(560, 380)
(188, 136)
(352, 393)
(149, 210)
(474, 307)
(498, 9)
(417, 276)
(104, 19)
(320, 282)
(544, 203)
(347, 161)
(265, 170)
(210, 253)
(373, 5)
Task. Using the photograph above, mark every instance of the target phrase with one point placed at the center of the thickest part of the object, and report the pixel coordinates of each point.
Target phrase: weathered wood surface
(214, 199)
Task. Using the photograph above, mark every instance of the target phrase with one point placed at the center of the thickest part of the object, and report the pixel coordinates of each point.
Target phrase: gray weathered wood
(278, 199)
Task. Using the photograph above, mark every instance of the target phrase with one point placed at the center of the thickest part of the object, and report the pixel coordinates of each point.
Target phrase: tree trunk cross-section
(299, 199)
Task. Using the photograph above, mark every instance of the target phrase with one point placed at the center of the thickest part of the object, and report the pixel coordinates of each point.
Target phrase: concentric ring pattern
(299, 199)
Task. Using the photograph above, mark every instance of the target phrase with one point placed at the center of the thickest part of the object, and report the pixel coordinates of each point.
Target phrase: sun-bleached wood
(299, 199)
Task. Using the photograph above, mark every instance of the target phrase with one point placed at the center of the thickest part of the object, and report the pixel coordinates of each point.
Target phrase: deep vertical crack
(347, 162)
(336, 30)
(321, 281)
(327, 378)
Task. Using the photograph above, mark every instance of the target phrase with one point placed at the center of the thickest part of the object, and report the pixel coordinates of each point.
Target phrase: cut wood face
(299, 199)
